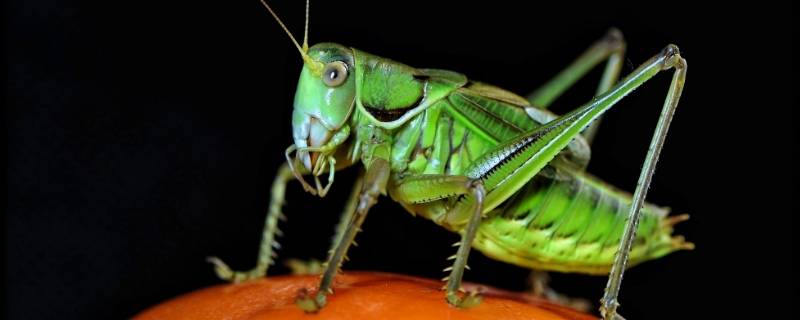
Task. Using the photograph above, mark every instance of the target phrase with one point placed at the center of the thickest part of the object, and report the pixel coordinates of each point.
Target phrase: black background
(143, 136)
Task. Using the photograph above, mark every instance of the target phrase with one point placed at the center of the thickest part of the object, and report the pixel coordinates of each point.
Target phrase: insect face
(322, 105)
(323, 101)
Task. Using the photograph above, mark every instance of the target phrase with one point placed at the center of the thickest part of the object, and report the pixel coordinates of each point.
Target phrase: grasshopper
(500, 170)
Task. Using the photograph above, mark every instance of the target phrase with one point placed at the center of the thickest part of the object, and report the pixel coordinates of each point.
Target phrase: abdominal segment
(573, 224)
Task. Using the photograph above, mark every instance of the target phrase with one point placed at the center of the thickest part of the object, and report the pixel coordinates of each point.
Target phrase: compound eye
(334, 73)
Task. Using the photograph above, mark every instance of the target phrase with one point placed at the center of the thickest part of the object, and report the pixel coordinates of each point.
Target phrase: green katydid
(496, 168)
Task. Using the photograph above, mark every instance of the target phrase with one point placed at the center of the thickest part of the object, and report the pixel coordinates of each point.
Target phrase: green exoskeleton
(496, 168)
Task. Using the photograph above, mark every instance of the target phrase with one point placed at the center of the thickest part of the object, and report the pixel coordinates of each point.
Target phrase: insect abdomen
(572, 225)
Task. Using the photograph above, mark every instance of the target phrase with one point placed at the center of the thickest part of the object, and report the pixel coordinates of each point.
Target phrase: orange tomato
(358, 295)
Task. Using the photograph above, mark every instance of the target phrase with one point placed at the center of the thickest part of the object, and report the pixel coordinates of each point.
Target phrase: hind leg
(611, 48)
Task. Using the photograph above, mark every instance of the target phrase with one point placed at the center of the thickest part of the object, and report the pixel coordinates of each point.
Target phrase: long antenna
(313, 65)
(305, 32)
(302, 52)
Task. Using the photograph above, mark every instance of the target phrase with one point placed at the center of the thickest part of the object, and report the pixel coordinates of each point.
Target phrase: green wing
(498, 115)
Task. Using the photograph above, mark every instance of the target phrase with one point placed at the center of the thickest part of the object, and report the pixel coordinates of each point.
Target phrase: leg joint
(672, 58)
(476, 186)
(614, 39)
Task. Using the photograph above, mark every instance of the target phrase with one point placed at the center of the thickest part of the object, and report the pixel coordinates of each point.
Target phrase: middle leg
(428, 188)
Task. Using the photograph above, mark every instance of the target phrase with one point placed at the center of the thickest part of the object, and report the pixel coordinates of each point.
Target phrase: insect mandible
(500, 170)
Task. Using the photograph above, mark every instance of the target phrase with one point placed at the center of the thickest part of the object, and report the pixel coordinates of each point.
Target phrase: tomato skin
(358, 295)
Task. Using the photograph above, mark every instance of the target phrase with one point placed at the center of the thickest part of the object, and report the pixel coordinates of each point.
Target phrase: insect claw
(470, 299)
(221, 269)
(215, 261)
(305, 302)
